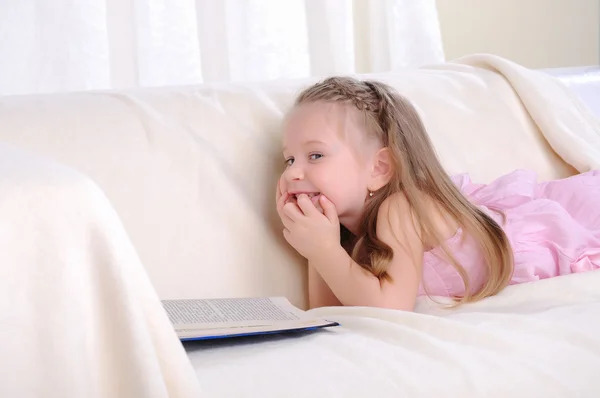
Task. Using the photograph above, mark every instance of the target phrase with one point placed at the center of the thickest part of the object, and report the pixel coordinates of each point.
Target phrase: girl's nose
(295, 173)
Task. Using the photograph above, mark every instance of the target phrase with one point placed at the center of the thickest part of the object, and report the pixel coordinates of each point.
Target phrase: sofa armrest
(79, 316)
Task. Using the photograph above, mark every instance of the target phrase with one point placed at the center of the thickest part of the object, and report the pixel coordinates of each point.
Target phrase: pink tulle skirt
(553, 228)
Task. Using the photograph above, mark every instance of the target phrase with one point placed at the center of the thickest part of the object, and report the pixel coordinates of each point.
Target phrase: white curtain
(65, 45)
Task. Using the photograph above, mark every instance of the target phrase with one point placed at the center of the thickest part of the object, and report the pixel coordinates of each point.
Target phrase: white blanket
(536, 340)
(78, 315)
(565, 121)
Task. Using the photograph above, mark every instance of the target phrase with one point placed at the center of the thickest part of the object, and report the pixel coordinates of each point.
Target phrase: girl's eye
(315, 156)
(288, 162)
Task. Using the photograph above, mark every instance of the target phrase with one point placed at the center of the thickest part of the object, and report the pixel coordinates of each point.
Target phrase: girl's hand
(307, 230)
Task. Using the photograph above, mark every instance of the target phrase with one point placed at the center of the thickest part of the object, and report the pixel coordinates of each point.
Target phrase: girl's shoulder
(397, 225)
(393, 206)
(396, 216)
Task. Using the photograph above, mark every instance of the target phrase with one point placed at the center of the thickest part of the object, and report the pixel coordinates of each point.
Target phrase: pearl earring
(370, 193)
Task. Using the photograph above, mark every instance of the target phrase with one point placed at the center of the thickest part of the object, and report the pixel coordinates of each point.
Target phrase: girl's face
(326, 152)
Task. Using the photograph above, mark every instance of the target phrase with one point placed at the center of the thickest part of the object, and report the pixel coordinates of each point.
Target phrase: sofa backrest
(192, 170)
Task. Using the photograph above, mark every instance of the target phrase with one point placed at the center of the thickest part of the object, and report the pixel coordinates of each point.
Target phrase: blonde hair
(396, 123)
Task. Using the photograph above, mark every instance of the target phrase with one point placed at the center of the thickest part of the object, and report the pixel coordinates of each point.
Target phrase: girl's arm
(319, 294)
(355, 286)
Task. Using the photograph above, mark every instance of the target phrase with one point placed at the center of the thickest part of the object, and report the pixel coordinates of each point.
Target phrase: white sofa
(190, 174)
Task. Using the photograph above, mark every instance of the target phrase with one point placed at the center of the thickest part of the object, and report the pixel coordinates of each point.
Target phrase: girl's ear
(383, 169)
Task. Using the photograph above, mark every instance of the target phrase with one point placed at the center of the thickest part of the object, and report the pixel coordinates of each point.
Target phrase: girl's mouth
(313, 196)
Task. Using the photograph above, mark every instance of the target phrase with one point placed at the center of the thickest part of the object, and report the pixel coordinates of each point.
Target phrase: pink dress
(553, 228)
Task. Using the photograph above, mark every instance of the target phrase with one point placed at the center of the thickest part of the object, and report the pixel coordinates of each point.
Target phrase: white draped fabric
(66, 45)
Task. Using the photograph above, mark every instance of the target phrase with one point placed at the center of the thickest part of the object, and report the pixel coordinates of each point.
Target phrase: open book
(201, 319)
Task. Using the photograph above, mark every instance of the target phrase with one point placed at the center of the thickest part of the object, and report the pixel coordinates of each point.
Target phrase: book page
(193, 318)
(244, 311)
(191, 333)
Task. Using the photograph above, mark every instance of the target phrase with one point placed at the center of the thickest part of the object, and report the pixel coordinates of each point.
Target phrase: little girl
(366, 201)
